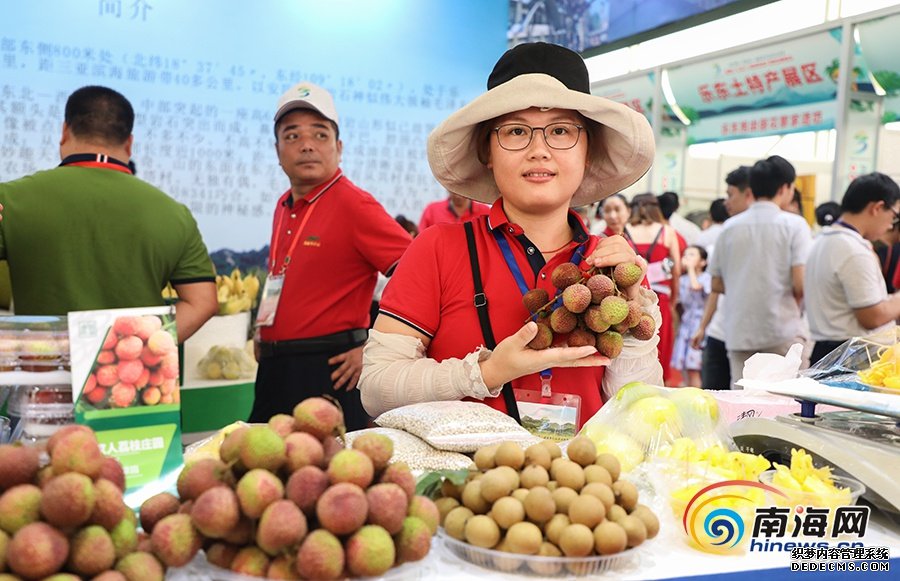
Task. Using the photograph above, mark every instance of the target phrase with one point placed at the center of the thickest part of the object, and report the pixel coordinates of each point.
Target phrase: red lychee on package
(125, 372)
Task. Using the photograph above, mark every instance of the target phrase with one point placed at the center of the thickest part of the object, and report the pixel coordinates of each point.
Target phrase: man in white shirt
(715, 371)
(758, 263)
(845, 295)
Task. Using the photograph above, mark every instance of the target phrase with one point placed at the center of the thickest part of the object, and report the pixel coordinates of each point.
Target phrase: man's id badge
(268, 304)
(552, 418)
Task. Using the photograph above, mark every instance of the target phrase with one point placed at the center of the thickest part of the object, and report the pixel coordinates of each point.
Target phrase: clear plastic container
(43, 410)
(849, 492)
(537, 566)
(34, 344)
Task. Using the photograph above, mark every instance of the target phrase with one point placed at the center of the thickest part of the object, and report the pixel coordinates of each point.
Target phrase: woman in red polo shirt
(534, 145)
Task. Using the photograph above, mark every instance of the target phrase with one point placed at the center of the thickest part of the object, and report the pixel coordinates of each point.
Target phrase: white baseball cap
(307, 96)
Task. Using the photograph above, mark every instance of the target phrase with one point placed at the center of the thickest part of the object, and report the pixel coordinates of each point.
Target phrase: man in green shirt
(90, 235)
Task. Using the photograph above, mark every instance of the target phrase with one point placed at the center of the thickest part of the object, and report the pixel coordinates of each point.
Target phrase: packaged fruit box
(35, 344)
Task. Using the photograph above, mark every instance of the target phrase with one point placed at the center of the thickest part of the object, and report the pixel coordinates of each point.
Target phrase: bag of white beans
(456, 426)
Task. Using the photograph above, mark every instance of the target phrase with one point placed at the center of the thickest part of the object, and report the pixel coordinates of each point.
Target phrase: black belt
(343, 340)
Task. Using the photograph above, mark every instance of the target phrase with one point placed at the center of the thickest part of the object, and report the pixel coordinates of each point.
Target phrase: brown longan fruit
(611, 463)
(482, 531)
(576, 540)
(472, 499)
(484, 457)
(445, 505)
(582, 451)
(552, 485)
(610, 538)
(553, 448)
(616, 513)
(520, 494)
(555, 526)
(503, 562)
(455, 522)
(626, 494)
(563, 497)
(512, 475)
(539, 504)
(534, 475)
(601, 491)
(547, 569)
(649, 519)
(538, 455)
(555, 464)
(634, 530)
(595, 473)
(495, 484)
(587, 510)
(524, 538)
(507, 511)
(510, 454)
(570, 475)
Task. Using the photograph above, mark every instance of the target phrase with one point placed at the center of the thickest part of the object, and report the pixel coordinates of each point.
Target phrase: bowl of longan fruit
(534, 511)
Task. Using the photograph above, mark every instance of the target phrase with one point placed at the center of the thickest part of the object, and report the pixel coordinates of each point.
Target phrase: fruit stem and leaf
(430, 484)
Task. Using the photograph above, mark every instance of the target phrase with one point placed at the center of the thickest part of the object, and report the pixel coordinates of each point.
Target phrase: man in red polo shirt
(453, 210)
(323, 265)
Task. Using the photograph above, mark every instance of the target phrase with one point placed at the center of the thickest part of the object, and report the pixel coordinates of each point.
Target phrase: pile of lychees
(287, 501)
(589, 308)
(67, 520)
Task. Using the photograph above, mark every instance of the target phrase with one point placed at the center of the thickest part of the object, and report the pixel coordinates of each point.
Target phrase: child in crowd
(693, 290)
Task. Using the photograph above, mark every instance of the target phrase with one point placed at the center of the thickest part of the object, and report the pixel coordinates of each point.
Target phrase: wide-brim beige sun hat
(550, 77)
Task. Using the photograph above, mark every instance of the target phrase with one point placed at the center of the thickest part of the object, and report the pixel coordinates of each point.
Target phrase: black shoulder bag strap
(481, 306)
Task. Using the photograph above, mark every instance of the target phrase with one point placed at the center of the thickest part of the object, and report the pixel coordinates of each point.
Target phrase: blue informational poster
(204, 78)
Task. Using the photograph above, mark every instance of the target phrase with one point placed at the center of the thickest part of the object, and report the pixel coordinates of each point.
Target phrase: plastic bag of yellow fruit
(870, 363)
(223, 362)
(643, 419)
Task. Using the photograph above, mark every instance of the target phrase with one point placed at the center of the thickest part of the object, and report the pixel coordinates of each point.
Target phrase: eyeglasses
(896, 221)
(516, 136)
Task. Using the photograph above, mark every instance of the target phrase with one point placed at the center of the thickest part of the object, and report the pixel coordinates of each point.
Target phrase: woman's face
(616, 213)
(538, 178)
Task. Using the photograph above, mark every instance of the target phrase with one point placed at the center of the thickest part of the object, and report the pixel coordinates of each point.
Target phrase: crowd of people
(534, 169)
(790, 281)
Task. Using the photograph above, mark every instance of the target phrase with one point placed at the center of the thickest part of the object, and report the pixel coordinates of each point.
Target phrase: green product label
(144, 452)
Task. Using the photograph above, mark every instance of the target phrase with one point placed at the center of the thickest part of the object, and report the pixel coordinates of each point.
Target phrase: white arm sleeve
(639, 360)
(396, 372)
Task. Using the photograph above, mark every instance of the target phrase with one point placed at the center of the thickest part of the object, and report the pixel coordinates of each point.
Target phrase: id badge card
(268, 304)
(660, 271)
(552, 418)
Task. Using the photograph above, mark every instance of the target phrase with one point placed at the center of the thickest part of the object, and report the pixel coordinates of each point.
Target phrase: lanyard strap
(287, 257)
(514, 269)
(100, 160)
(277, 234)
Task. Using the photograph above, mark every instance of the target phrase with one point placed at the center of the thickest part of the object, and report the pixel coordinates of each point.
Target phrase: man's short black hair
(827, 213)
(767, 176)
(668, 203)
(717, 211)
(868, 188)
(739, 178)
(100, 114)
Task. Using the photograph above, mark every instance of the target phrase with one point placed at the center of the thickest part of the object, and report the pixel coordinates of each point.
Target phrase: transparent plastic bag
(223, 362)
(870, 363)
(642, 420)
(456, 426)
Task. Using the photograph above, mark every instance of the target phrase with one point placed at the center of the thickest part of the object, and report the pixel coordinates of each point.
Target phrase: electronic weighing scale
(856, 442)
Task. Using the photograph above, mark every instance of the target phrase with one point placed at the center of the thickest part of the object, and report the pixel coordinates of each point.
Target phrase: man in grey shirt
(758, 263)
(846, 296)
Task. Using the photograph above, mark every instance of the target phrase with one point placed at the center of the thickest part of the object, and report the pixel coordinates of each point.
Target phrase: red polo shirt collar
(287, 199)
